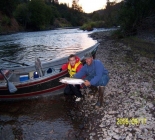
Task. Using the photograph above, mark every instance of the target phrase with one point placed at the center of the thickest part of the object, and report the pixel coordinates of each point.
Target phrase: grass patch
(117, 34)
(142, 47)
(6, 21)
(137, 45)
(93, 24)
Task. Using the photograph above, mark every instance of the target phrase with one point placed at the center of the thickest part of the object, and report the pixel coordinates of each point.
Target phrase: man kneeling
(96, 75)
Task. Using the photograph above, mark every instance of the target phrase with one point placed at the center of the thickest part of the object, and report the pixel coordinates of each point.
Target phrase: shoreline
(26, 31)
(129, 95)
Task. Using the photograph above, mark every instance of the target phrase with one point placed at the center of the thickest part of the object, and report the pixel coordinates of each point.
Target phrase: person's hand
(87, 83)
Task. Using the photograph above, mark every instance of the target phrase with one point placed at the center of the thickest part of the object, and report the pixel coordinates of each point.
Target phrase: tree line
(130, 15)
(136, 15)
(41, 14)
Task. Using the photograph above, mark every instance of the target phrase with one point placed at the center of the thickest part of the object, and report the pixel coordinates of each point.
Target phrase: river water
(44, 118)
(47, 45)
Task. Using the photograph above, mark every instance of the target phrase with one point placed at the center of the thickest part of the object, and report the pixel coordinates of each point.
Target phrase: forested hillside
(39, 14)
(131, 15)
(135, 16)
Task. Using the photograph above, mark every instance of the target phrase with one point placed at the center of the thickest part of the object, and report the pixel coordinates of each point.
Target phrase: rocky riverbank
(128, 112)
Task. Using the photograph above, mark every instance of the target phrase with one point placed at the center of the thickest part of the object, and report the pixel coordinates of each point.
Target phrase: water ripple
(47, 45)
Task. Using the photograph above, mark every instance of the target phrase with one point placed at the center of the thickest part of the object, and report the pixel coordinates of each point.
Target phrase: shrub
(93, 24)
(6, 21)
(117, 34)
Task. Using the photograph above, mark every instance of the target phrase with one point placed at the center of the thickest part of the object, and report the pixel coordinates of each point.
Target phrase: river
(47, 45)
(45, 118)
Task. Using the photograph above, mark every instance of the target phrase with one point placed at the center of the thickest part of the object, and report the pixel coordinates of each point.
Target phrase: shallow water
(43, 118)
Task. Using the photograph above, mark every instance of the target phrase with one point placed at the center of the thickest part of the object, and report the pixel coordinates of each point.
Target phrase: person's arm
(81, 73)
(99, 71)
(64, 66)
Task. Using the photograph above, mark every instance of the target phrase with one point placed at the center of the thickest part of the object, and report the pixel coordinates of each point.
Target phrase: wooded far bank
(24, 15)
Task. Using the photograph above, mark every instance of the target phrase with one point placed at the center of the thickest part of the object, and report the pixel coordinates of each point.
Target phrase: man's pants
(73, 90)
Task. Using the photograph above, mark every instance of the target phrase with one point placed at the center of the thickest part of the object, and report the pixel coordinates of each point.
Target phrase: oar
(23, 64)
(11, 86)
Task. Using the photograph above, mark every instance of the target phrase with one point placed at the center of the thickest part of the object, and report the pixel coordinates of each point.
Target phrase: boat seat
(51, 71)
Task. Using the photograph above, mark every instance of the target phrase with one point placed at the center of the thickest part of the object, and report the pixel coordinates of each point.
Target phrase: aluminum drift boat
(28, 83)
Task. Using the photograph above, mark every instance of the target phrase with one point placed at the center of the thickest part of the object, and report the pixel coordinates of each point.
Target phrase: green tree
(22, 14)
(110, 14)
(76, 6)
(40, 14)
(96, 16)
(55, 12)
(8, 6)
(134, 13)
(75, 17)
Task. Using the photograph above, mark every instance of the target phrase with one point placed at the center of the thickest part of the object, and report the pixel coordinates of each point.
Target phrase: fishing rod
(23, 64)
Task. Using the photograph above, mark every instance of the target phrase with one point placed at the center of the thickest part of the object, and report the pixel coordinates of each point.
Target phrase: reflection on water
(47, 45)
(37, 119)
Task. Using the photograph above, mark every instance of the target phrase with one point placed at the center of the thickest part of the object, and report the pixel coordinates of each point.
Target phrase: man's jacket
(96, 70)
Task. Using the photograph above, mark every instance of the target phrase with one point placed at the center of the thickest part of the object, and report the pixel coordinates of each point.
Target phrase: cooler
(23, 78)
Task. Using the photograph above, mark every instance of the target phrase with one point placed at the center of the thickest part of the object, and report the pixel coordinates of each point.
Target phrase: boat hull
(46, 85)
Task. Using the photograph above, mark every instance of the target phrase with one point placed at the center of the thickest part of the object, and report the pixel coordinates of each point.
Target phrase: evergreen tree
(75, 6)
(135, 13)
(8, 6)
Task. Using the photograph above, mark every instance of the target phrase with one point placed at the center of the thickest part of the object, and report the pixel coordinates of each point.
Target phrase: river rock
(103, 124)
(129, 93)
(116, 137)
(112, 112)
(111, 133)
(100, 138)
(92, 134)
(150, 138)
(150, 105)
(108, 138)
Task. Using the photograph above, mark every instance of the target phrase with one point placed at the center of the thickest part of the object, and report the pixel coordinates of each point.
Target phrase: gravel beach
(128, 112)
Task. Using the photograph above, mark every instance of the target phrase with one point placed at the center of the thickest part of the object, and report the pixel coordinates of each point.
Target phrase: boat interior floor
(29, 76)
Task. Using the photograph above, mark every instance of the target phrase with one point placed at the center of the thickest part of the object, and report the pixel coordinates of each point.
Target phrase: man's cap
(87, 55)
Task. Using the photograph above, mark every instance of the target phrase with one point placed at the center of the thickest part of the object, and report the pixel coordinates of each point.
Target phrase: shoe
(78, 99)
